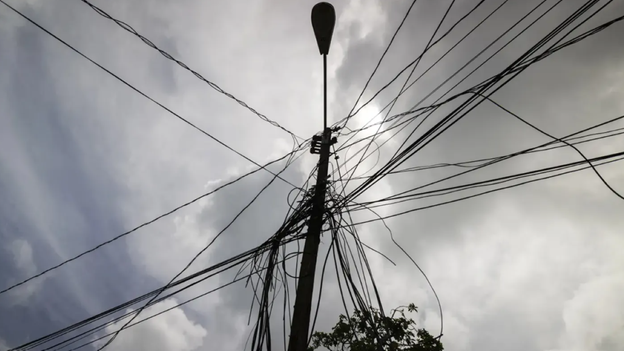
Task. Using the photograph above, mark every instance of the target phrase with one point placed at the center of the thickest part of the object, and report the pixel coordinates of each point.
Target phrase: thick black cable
(167, 310)
(478, 54)
(561, 141)
(243, 256)
(363, 257)
(320, 293)
(469, 164)
(435, 293)
(509, 156)
(519, 71)
(482, 183)
(142, 93)
(415, 65)
(432, 108)
(439, 59)
(528, 62)
(196, 256)
(396, 32)
(160, 105)
(133, 229)
(493, 54)
(596, 159)
(214, 86)
(424, 140)
(92, 331)
(423, 74)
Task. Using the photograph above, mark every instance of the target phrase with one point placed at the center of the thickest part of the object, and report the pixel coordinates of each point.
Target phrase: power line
(417, 60)
(435, 293)
(475, 162)
(428, 46)
(264, 167)
(559, 140)
(506, 157)
(611, 158)
(236, 280)
(435, 105)
(133, 229)
(232, 262)
(109, 341)
(483, 183)
(396, 32)
(214, 86)
(142, 93)
(423, 74)
(452, 118)
(521, 66)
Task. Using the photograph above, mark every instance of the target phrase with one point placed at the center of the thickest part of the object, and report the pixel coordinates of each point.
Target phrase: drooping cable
(214, 86)
(264, 167)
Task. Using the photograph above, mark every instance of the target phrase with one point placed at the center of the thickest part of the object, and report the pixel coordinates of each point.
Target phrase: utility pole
(323, 20)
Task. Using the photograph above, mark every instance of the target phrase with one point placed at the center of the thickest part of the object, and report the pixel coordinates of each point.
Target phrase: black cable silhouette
(595, 159)
(214, 86)
(428, 46)
(396, 32)
(474, 163)
(435, 293)
(458, 113)
(109, 341)
(507, 157)
(165, 108)
(559, 140)
(482, 183)
(435, 105)
(233, 261)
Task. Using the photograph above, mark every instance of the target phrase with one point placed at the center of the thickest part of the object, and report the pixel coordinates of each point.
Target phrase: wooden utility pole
(323, 20)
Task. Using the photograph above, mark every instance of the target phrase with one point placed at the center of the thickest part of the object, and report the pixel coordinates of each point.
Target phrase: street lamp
(323, 21)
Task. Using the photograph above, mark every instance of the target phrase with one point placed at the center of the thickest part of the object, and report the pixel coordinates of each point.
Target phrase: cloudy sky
(84, 158)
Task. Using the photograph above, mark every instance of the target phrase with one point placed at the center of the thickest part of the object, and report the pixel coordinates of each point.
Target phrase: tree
(370, 331)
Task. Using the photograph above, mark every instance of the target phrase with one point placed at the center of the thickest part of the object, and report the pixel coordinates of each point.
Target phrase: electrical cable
(195, 257)
(160, 105)
(509, 156)
(561, 141)
(433, 107)
(396, 32)
(467, 164)
(435, 294)
(231, 261)
(424, 73)
(214, 86)
(415, 65)
(46, 271)
(596, 159)
(167, 310)
(440, 127)
(483, 183)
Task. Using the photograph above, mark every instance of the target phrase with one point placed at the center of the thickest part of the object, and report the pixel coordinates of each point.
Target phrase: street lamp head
(323, 20)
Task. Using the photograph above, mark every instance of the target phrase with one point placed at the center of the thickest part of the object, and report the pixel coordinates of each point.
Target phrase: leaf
(368, 330)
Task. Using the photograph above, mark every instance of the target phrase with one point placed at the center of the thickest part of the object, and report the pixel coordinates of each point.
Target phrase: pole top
(323, 21)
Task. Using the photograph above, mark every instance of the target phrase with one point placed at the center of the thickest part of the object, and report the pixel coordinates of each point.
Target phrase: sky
(83, 158)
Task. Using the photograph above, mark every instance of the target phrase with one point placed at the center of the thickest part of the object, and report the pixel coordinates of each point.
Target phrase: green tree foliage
(370, 331)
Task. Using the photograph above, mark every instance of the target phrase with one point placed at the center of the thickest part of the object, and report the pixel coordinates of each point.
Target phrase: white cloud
(540, 265)
(593, 316)
(171, 331)
(22, 255)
